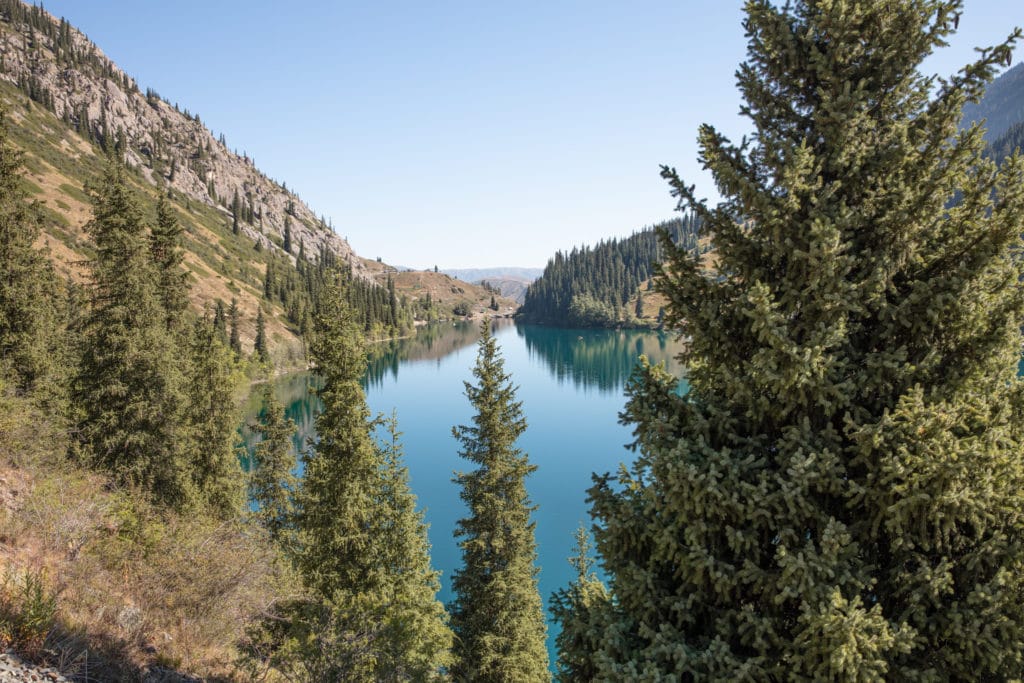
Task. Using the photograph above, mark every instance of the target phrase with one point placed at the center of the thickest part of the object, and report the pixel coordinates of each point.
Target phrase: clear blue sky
(461, 134)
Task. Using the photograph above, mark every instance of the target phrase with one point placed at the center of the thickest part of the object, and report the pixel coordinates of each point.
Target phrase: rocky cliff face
(61, 69)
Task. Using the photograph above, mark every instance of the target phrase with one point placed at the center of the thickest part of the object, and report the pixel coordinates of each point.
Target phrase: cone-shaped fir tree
(167, 256)
(578, 610)
(838, 497)
(210, 419)
(497, 615)
(352, 518)
(27, 293)
(272, 484)
(419, 639)
(128, 385)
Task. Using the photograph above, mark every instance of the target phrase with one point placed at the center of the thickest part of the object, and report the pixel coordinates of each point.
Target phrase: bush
(27, 613)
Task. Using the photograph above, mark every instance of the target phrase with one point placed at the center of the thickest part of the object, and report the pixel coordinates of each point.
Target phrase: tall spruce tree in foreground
(209, 422)
(497, 614)
(272, 485)
(839, 496)
(361, 551)
(418, 640)
(129, 387)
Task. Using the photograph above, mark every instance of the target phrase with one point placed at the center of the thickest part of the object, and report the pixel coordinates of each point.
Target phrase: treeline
(591, 286)
(1007, 143)
(298, 288)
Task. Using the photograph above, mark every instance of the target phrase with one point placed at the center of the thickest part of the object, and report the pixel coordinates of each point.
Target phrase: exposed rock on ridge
(65, 72)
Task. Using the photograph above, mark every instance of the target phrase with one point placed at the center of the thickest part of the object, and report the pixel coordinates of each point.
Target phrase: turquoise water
(570, 383)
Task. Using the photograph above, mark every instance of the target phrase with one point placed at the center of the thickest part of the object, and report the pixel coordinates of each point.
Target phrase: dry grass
(137, 587)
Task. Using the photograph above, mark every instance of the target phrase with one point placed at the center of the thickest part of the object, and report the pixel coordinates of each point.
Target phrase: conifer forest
(831, 489)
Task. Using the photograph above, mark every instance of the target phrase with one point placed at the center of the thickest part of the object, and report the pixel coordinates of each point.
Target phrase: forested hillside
(590, 286)
(1001, 107)
(250, 243)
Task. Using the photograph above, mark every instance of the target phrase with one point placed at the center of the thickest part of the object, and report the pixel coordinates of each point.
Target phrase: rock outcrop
(61, 69)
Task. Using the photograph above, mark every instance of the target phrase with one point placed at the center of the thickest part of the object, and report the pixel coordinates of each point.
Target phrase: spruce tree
(272, 484)
(128, 388)
(578, 610)
(838, 496)
(260, 344)
(497, 614)
(27, 296)
(210, 422)
(361, 553)
(167, 255)
(234, 337)
(417, 641)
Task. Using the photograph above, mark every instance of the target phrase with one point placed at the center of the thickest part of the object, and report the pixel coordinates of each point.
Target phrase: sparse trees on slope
(838, 497)
(497, 613)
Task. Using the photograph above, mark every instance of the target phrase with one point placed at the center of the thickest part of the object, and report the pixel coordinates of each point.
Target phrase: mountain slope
(1001, 107)
(69, 107)
(594, 286)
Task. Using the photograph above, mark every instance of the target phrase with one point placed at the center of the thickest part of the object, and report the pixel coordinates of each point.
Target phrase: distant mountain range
(511, 282)
(489, 274)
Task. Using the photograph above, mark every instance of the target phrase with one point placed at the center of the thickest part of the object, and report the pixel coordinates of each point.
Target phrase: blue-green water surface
(571, 385)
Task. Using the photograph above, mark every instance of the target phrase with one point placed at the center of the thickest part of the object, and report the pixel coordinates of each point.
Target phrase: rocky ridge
(61, 69)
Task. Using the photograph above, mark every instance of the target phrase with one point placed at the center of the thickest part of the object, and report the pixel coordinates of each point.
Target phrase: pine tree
(128, 386)
(269, 283)
(497, 613)
(167, 255)
(27, 324)
(272, 484)
(838, 496)
(288, 234)
(579, 609)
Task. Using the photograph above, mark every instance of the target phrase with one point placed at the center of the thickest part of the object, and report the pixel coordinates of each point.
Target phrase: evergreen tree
(288, 234)
(272, 484)
(167, 255)
(27, 324)
(362, 550)
(260, 345)
(497, 613)
(838, 496)
(128, 386)
(234, 340)
(417, 641)
(579, 609)
(211, 421)
(269, 284)
(220, 320)
(236, 207)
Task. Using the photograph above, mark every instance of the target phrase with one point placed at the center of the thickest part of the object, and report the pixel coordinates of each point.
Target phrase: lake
(571, 386)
